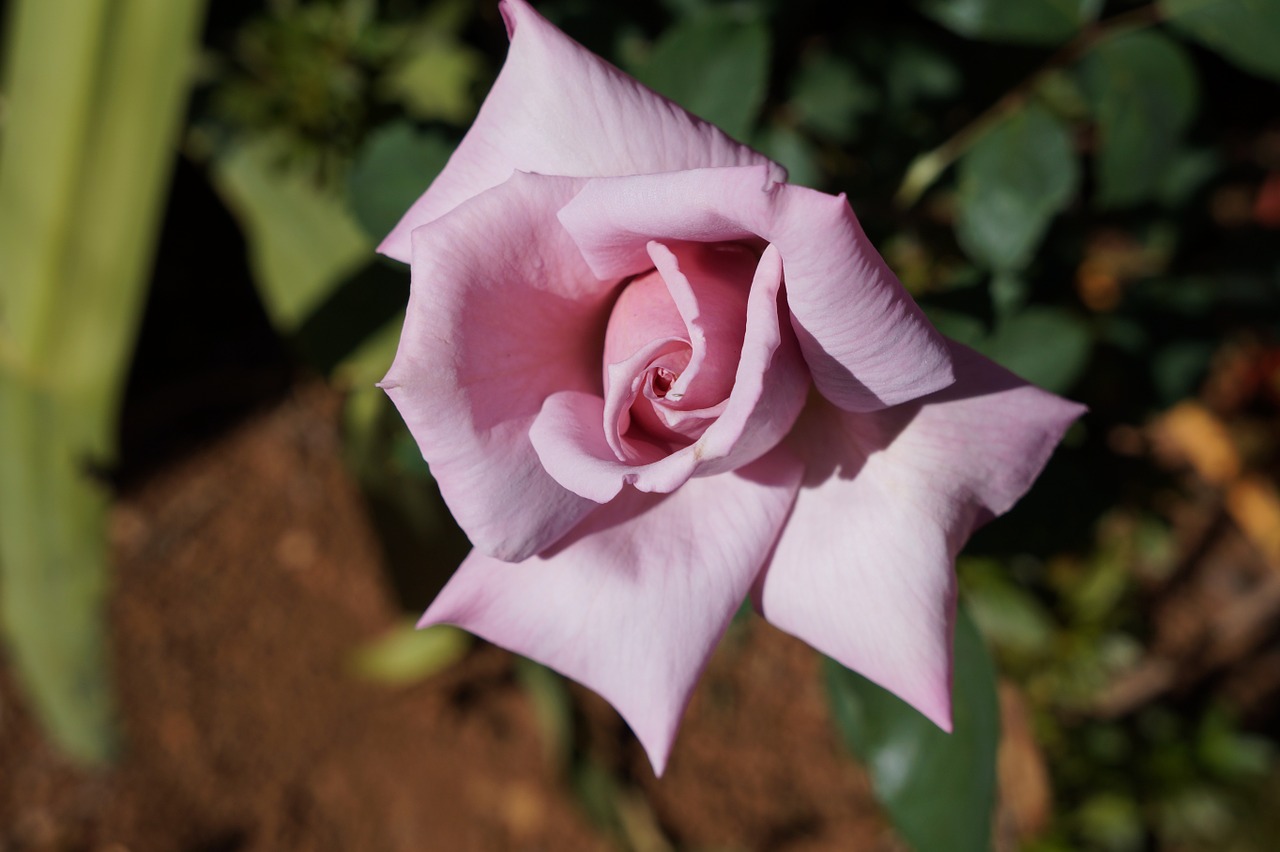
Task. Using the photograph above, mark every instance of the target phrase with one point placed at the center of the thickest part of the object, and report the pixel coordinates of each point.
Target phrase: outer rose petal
(558, 109)
(632, 602)
(864, 568)
(867, 344)
(502, 314)
(769, 390)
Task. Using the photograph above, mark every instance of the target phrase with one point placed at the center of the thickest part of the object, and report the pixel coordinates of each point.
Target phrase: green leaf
(1048, 347)
(53, 571)
(1244, 31)
(939, 789)
(1111, 822)
(793, 151)
(1022, 21)
(1144, 90)
(392, 168)
(915, 72)
(1009, 293)
(1229, 753)
(552, 707)
(829, 96)
(437, 80)
(1012, 182)
(302, 240)
(1178, 368)
(1187, 173)
(96, 91)
(714, 65)
(407, 655)
(1008, 616)
(959, 326)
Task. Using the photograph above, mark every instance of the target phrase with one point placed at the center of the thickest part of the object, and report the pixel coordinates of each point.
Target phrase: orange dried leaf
(1191, 433)
(1254, 505)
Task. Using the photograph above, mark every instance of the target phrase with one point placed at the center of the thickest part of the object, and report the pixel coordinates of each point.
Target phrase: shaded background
(1087, 192)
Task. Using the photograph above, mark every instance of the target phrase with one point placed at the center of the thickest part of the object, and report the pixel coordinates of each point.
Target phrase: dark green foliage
(938, 788)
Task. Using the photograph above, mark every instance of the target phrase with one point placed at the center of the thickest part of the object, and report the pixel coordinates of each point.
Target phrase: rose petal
(632, 602)
(864, 570)
(502, 314)
(558, 109)
(709, 284)
(622, 386)
(769, 390)
(643, 313)
(867, 344)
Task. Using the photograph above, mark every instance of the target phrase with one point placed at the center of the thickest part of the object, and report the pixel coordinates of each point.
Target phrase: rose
(661, 379)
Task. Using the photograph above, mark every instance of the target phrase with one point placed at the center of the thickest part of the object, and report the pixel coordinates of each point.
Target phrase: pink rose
(661, 379)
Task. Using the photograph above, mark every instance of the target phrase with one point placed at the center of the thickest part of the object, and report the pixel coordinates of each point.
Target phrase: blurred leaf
(938, 788)
(393, 167)
(598, 792)
(1244, 31)
(1062, 94)
(1202, 813)
(302, 241)
(1188, 171)
(95, 92)
(716, 66)
(1178, 368)
(1123, 333)
(915, 72)
(350, 313)
(1227, 752)
(1048, 347)
(407, 655)
(552, 707)
(438, 79)
(369, 362)
(829, 96)
(1012, 183)
(1023, 21)
(959, 326)
(1012, 620)
(1144, 90)
(1111, 822)
(1101, 588)
(1007, 616)
(796, 153)
(1253, 503)
(366, 404)
(1195, 434)
(53, 565)
(1008, 293)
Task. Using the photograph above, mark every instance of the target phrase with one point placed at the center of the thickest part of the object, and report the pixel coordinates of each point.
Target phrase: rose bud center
(672, 345)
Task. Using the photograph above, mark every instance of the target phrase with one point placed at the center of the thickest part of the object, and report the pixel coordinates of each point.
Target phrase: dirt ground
(246, 571)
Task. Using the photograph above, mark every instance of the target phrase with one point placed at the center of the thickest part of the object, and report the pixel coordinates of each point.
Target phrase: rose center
(672, 346)
(662, 381)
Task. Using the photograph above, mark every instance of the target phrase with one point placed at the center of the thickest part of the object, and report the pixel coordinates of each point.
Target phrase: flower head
(661, 379)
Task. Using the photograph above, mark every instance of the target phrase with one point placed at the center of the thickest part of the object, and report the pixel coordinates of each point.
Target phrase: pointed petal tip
(933, 701)
(657, 738)
(508, 17)
(511, 10)
(941, 716)
(658, 762)
(395, 246)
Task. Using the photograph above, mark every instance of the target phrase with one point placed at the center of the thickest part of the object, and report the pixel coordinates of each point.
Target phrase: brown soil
(245, 575)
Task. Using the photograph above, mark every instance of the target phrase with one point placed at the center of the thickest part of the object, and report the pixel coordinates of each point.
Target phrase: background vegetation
(1086, 191)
